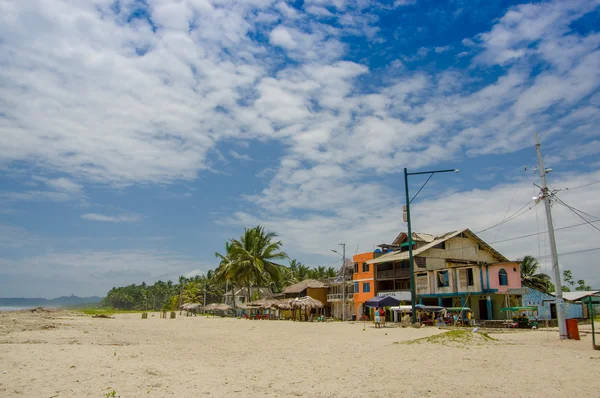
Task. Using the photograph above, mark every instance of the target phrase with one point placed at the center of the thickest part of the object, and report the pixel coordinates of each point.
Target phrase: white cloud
(280, 36)
(370, 215)
(239, 156)
(400, 3)
(86, 272)
(441, 49)
(127, 218)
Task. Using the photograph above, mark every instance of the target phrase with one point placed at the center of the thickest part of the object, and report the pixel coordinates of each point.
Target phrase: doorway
(552, 311)
(483, 313)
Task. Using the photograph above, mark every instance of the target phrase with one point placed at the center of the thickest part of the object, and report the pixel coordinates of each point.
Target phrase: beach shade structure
(263, 304)
(218, 307)
(192, 308)
(429, 308)
(382, 301)
(304, 305)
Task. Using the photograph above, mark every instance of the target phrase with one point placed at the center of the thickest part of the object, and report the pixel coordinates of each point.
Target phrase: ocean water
(12, 308)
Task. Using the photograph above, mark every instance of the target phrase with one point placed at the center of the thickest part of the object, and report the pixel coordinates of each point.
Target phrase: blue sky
(137, 136)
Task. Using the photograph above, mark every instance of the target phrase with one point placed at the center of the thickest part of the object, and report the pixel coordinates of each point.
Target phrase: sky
(137, 136)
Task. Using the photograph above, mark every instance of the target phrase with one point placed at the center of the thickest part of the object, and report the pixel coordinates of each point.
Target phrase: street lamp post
(343, 279)
(413, 296)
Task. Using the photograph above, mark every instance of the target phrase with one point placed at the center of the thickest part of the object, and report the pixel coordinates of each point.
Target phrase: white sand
(70, 355)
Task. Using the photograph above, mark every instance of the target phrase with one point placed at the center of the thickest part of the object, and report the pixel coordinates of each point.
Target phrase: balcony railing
(391, 274)
(338, 297)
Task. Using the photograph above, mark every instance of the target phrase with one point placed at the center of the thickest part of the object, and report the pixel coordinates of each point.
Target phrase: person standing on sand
(382, 316)
(377, 317)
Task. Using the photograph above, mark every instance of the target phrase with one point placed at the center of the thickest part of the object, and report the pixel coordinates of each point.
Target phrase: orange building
(364, 283)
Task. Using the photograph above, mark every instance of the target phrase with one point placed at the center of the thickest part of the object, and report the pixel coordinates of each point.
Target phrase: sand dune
(65, 354)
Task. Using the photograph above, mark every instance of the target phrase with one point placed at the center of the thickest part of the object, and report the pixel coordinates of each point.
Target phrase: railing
(338, 297)
(391, 274)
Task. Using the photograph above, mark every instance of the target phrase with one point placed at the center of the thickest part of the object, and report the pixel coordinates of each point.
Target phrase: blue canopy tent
(382, 301)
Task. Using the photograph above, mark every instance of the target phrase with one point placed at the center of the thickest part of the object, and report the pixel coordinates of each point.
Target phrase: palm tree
(226, 271)
(529, 277)
(254, 256)
(191, 293)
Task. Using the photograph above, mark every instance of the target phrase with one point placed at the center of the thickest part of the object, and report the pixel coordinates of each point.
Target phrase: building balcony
(332, 298)
(392, 274)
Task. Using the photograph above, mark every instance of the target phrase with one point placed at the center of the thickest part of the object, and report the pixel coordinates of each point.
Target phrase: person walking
(377, 318)
(382, 316)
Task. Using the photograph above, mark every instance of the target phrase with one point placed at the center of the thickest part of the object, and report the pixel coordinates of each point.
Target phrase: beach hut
(305, 305)
(218, 307)
(191, 308)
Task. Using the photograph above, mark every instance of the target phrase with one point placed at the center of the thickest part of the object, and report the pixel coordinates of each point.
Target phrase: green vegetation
(570, 283)
(530, 277)
(252, 260)
(106, 311)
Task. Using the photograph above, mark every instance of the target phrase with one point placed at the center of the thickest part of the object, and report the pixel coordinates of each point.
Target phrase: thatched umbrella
(218, 307)
(305, 303)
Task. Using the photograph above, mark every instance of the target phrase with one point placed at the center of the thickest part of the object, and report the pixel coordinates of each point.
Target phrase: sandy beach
(66, 354)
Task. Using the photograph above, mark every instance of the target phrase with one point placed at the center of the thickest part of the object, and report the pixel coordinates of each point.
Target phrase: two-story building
(452, 270)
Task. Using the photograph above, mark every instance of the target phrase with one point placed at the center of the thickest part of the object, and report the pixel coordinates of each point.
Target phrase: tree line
(252, 260)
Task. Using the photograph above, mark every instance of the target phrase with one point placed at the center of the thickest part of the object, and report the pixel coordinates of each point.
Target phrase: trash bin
(572, 329)
(354, 317)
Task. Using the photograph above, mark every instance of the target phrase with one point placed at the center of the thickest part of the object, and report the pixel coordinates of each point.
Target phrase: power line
(582, 186)
(573, 252)
(516, 214)
(576, 212)
(543, 232)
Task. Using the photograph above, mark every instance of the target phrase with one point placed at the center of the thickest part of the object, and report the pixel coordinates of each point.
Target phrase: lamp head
(456, 170)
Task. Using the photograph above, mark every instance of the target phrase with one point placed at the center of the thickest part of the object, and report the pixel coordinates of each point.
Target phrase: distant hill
(64, 301)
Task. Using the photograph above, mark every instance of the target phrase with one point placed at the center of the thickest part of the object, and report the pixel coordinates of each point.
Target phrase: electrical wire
(543, 232)
(576, 212)
(512, 216)
(573, 252)
(507, 209)
(582, 186)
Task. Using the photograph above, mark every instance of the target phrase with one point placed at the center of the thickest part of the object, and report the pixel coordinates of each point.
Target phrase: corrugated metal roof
(576, 296)
(399, 256)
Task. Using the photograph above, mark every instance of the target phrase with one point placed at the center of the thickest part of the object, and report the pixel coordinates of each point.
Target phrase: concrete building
(451, 270)
(546, 303)
(336, 299)
(363, 281)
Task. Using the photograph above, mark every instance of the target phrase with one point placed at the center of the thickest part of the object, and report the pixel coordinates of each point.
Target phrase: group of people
(379, 317)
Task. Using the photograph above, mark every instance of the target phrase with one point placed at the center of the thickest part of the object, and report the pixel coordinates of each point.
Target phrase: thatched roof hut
(218, 307)
(303, 285)
(306, 302)
(191, 306)
(282, 304)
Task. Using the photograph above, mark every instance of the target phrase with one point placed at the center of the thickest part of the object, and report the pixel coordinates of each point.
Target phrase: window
(366, 287)
(420, 262)
(355, 287)
(441, 245)
(355, 268)
(470, 281)
(443, 280)
(365, 267)
(503, 277)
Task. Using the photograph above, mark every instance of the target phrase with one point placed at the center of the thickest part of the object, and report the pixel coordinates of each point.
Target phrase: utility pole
(560, 304)
(343, 254)
(409, 242)
(205, 290)
(413, 290)
(343, 281)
